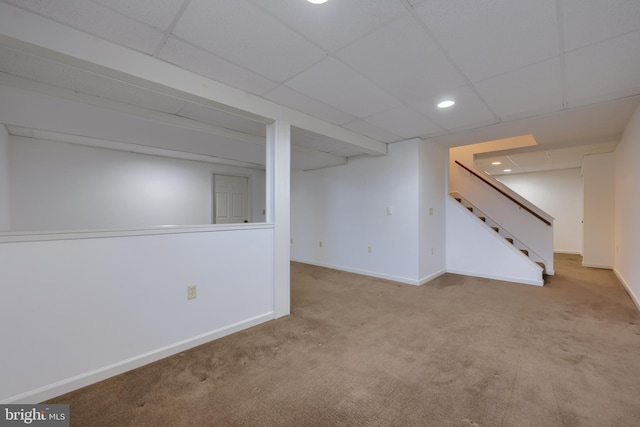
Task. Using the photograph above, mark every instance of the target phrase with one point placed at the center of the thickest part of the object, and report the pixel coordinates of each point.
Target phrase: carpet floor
(361, 351)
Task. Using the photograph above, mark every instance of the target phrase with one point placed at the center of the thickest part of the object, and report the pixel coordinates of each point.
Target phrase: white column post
(278, 210)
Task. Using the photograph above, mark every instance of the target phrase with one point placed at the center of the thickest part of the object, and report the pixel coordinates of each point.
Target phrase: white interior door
(231, 199)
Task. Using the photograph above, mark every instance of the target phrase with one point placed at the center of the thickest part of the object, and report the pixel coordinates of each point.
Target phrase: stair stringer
(523, 225)
(500, 230)
(473, 249)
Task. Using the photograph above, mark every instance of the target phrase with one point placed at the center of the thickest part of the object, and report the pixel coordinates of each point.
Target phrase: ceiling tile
(246, 36)
(97, 20)
(336, 23)
(372, 131)
(382, 63)
(531, 90)
(284, 95)
(337, 85)
(159, 13)
(401, 58)
(591, 21)
(490, 37)
(469, 110)
(604, 71)
(200, 62)
(485, 164)
(405, 122)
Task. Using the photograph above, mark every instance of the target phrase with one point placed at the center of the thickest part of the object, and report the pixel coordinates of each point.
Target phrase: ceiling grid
(566, 71)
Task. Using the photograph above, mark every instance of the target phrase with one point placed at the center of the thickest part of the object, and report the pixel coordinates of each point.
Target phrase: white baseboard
(608, 267)
(628, 288)
(560, 251)
(431, 277)
(70, 384)
(400, 279)
(495, 277)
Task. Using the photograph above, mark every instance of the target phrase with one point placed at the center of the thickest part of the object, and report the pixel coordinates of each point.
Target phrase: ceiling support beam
(30, 33)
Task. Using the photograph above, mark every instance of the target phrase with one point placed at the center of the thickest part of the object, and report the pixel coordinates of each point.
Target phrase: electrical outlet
(192, 292)
(320, 243)
(430, 211)
(292, 241)
(431, 251)
(370, 249)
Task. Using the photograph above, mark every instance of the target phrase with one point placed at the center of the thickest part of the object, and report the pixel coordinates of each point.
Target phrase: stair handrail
(505, 194)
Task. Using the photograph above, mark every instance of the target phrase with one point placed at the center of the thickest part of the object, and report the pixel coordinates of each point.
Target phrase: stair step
(509, 239)
(483, 219)
(495, 229)
(541, 264)
(470, 208)
(524, 251)
(458, 199)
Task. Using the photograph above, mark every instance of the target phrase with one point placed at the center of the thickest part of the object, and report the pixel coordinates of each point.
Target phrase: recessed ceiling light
(496, 163)
(317, 1)
(507, 170)
(446, 103)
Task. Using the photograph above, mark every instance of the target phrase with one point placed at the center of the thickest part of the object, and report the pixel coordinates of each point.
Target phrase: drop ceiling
(566, 71)
(527, 160)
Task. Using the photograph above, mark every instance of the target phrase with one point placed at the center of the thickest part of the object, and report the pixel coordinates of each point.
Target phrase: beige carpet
(359, 351)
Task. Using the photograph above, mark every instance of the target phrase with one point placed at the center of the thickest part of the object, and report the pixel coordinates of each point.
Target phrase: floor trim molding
(400, 279)
(495, 277)
(70, 384)
(628, 288)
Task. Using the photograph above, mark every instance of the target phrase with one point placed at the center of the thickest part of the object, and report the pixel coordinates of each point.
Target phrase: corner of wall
(5, 219)
(627, 204)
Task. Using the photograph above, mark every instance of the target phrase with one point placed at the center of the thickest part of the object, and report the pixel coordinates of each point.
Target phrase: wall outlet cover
(192, 292)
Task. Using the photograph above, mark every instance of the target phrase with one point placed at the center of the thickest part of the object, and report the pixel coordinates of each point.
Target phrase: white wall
(345, 207)
(599, 205)
(536, 235)
(627, 208)
(473, 249)
(74, 312)
(4, 179)
(60, 186)
(560, 193)
(432, 192)
(533, 234)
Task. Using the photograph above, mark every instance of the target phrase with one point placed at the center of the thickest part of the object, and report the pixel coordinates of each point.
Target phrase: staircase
(507, 237)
